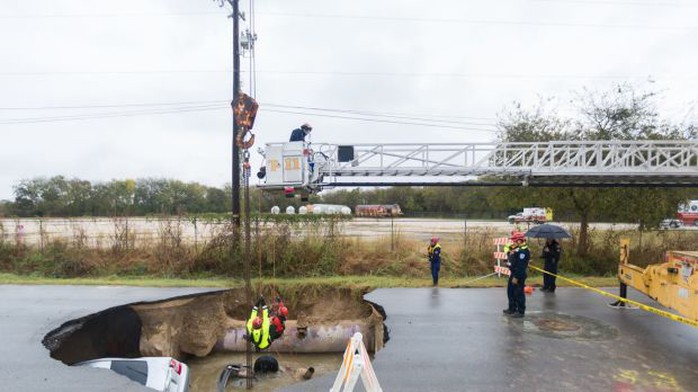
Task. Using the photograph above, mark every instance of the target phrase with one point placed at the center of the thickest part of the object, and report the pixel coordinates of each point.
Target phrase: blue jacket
(519, 262)
(297, 135)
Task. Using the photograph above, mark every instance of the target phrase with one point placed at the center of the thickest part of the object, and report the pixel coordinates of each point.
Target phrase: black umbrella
(547, 230)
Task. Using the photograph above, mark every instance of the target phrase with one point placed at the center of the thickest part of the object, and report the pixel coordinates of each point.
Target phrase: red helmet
(283, 311)
(518, 236)
(257, 323)
(434, 240)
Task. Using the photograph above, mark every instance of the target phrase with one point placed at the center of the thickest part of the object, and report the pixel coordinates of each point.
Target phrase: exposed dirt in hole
(195, 325)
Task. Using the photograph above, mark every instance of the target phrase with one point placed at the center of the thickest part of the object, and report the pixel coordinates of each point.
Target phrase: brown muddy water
(206, 371)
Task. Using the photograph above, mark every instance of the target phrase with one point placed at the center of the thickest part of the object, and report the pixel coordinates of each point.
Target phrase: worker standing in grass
(519, 257)
(434, 252)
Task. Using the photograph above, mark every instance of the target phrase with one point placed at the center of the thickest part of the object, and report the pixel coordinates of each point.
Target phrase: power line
(390, 115)
(365, 74)
(111, 105)
(94, 116)
(474, 21)
(633, 3)
(146, 109)
(369, 18)
(117, 15)
(382, 120)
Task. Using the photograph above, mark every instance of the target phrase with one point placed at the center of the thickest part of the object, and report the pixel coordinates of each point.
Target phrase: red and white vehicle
(688, 213)
(529, 215)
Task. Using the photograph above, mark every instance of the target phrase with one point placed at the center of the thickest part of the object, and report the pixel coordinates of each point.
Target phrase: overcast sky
(101, 90)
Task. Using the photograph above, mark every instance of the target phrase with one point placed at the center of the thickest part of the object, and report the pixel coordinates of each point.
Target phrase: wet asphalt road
(441, 340)
(27, 313)
(459, 340)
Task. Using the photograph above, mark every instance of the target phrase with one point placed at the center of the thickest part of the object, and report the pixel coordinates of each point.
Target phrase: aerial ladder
(304, 168)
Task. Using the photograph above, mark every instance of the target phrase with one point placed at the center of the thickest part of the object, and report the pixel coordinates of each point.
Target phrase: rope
(481, 277)
(642, 306)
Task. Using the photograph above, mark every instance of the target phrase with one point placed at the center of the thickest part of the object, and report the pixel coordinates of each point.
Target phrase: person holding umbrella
(551, 251)
(551, 255)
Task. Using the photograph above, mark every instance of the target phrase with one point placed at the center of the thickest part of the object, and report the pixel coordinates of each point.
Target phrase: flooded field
(105, 232)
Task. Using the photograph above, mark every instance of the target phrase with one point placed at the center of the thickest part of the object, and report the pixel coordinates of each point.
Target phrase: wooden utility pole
(236, 93)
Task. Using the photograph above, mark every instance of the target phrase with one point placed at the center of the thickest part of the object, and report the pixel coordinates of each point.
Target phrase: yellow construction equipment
(673, 283)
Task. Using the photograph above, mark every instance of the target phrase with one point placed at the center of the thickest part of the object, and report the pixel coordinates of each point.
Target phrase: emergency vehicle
(688, 213)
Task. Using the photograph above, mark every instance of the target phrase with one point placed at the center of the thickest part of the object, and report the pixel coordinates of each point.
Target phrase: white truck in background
(529, 215)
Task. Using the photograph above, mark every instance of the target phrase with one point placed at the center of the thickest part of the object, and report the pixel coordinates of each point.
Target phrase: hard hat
(518, 236)
(257, 323)
(283, 311)
(306, 127)
(434, 240)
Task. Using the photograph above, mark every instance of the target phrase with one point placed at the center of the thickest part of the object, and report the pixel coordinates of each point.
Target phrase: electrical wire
(473, 21)
(253, 59)
(190, 106)
(111, 105)
(416, 121)
(480, 76)
(367, 17)
(383, 120)
(378, 114)
(93, 116)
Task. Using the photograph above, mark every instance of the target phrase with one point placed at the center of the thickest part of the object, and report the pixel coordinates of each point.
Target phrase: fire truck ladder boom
(554, 163)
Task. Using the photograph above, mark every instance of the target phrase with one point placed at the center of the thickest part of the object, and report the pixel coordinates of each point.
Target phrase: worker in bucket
(258, 325)
(519, 257)
(299, 134)
(434, 252)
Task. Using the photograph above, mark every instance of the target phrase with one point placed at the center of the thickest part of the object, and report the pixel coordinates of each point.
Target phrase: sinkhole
(205, 331)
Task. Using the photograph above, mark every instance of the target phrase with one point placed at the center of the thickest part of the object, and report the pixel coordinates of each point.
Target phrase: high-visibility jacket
(259, 337)
(434, 253)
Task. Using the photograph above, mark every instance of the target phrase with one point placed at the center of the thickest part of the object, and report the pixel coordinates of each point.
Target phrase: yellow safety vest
(260, 337)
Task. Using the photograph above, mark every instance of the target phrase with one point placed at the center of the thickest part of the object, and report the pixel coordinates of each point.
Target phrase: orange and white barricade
(500, 257)
(356, 363)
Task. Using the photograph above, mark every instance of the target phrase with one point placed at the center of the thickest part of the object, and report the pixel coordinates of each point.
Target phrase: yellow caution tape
(642, 306)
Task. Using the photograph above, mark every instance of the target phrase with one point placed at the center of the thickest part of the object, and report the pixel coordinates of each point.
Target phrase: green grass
(361, 281)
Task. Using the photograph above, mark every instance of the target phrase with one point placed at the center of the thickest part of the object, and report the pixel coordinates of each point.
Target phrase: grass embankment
(363, 281)
(319, 255)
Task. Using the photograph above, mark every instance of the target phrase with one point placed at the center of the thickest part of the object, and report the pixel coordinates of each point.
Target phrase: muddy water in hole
(205, 371)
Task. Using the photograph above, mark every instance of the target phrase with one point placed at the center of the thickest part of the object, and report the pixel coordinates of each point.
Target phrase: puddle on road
(206, 371)
(565, 326)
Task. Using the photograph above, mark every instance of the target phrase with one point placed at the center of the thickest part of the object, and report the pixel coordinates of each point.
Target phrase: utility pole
(236, 92)
(235, 186)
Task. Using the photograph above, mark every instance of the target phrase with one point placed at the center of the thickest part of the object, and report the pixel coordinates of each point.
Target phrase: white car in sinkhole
(164, 374)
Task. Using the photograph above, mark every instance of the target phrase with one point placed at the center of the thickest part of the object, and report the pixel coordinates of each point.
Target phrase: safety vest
(259, 337)
(432, 249)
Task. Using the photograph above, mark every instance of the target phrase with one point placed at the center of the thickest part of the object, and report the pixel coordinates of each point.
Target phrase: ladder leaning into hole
(356, 363)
